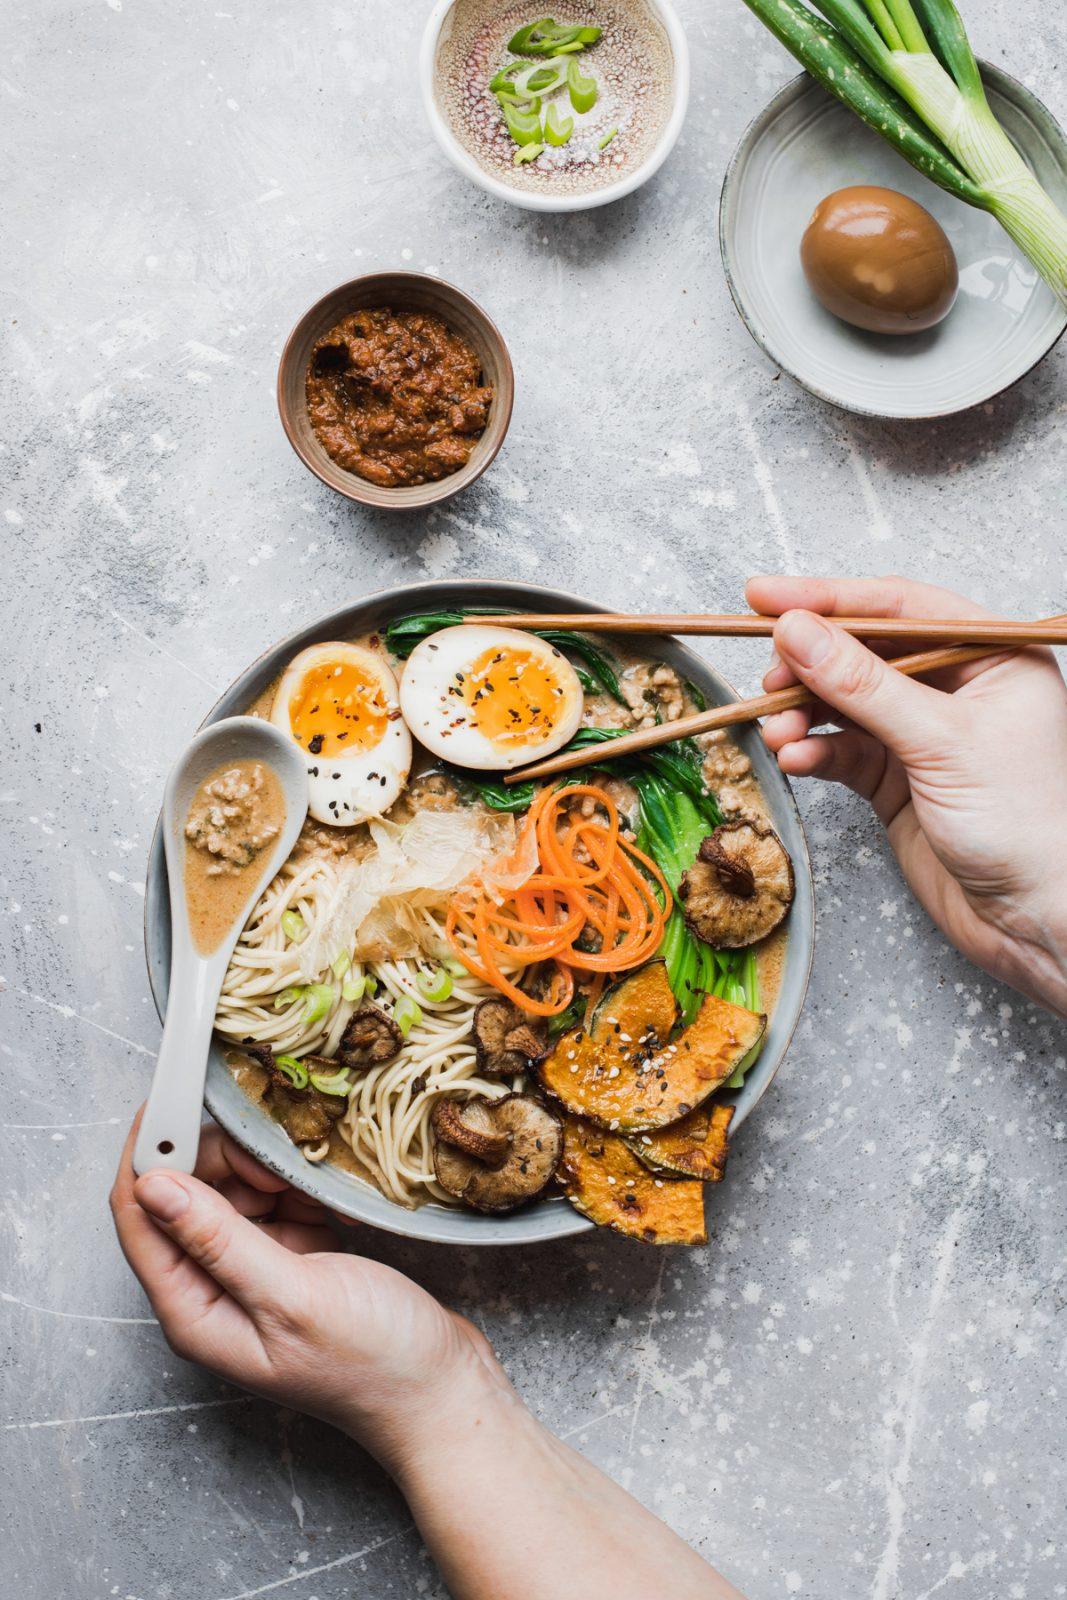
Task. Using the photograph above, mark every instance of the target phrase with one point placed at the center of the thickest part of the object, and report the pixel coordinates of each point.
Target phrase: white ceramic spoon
(169, 1135)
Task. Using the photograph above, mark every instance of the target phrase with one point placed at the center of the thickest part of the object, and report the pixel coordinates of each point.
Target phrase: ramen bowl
(253, 1127)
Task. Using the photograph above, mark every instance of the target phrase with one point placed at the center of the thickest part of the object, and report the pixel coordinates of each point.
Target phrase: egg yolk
(337, 708)
(513, 697)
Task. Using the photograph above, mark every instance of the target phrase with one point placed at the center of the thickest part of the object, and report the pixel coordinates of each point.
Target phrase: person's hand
(247, 1279)
(968, 771)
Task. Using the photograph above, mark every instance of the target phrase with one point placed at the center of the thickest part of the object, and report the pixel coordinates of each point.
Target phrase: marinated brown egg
(878, 260)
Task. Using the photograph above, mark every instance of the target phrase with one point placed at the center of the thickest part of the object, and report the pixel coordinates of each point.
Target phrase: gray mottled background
(858, 1389)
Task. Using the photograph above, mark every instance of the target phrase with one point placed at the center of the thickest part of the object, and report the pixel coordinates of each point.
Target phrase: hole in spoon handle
(169, 1135)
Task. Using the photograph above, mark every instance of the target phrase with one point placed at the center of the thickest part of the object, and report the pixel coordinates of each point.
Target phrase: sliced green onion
(436, 985)
(331, 1082)
(320, 997)
(293, 926)
(527, 152)
(370, 985)
(353, 988)
(524, 126)
(289, 996)
(502, 82)
(603, 143)
(406, 1013)
(340, 964)
(558, 129)
(543, 78)
(527, 40)
(541, 38)
(292, 1069)
(583, 91)
(455, 967)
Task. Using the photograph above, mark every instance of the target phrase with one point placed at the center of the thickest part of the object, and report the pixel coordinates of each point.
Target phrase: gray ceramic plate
(252, 1127)
(806, 144)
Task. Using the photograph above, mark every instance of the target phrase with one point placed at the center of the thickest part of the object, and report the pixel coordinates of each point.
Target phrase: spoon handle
(169, 1135)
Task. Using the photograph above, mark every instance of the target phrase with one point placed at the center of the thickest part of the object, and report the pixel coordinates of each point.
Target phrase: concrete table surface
(857, 1389)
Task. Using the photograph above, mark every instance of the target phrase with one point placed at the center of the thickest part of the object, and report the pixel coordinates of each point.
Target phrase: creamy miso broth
(236, 811)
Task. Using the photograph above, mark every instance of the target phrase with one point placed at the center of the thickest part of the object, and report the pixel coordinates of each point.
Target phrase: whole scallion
(906, 68)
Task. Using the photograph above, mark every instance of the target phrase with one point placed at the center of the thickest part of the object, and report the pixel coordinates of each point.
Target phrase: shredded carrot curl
(593, 886)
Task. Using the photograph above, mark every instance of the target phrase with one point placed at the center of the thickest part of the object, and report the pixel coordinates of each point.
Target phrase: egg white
(446, 667)
(350, 786)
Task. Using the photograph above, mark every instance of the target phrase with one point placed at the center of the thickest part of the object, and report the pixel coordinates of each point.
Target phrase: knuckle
(897, 590)
(290, 1317)
(859, 674)
(210, 1242)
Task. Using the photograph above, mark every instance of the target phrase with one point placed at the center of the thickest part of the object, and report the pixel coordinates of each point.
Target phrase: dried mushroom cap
(506, 1040)
(740, 886)
(307, 1115)
(468, 1126)
(262, 1055)
(535, 1143)
(370, 1039)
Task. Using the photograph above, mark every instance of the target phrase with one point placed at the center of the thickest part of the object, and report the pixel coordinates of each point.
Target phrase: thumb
(257, 1271)
(908, 717)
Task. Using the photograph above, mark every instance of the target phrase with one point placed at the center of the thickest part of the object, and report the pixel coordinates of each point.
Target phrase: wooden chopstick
(1049, 630)
(764, 705)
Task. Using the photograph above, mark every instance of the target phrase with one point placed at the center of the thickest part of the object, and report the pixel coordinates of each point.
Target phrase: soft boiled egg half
(489, 698)
(340, 703)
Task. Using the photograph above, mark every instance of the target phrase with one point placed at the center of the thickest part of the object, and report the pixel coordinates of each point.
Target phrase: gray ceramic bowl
(803, 146)
(399, 291)
(253, 1128)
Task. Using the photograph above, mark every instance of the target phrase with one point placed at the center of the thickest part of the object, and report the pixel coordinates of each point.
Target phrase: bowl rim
(428, 494)
(998, 79)
(356, 1199)
(532, 200)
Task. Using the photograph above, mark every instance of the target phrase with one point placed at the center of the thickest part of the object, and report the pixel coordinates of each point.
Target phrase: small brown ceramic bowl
(399, 291)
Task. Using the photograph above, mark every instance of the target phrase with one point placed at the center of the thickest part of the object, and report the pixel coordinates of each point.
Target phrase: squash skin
(606, 1183)
(695, 1147)
(609, 1078)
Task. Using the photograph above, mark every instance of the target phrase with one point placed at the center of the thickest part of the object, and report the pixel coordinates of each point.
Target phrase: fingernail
(162, 1196)
(804, 637)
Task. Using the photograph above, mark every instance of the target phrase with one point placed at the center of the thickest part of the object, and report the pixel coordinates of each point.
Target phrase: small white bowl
(531, 200)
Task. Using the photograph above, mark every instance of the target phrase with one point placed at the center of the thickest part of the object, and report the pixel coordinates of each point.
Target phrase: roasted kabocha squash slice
(626, 1074)
(694, 1147)
(606, 1183)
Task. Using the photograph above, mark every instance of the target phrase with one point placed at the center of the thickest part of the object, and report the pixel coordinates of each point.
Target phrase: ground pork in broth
(235, 812)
